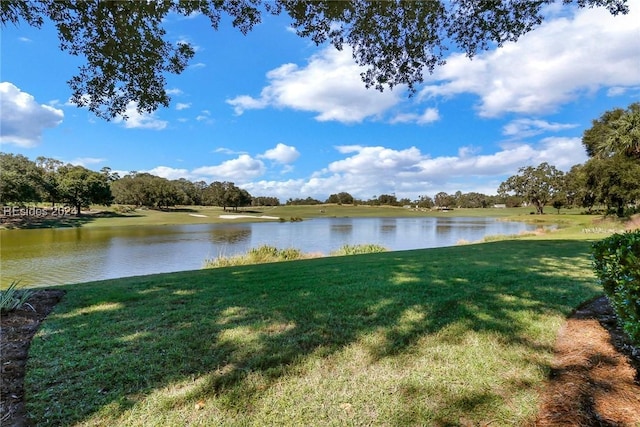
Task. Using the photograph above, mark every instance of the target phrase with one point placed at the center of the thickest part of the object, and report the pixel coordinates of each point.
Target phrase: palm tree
(624, 134)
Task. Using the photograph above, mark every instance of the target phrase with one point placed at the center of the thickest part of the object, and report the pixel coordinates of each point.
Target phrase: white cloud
(225, 150)
(328, 85)
(523, 128)
(25, 39)
(553, 65)
(204, 116)
(182, 106)
(282, 153)
(86, 161)
(242, 169)
(23, 120)
(169, 173)
(366, 171)
(374, 170)
(430, 115)
(137, 120)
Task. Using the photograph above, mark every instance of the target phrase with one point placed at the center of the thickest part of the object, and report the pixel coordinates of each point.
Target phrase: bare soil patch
(595, 377)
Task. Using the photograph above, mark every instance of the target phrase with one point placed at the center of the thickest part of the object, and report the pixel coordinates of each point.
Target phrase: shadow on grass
(110, 344)
(67, 221)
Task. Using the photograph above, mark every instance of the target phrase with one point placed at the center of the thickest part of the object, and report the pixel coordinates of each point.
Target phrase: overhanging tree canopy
(128, 54)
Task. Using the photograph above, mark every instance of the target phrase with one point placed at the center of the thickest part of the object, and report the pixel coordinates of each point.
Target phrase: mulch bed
(16, 331)
(594, 381)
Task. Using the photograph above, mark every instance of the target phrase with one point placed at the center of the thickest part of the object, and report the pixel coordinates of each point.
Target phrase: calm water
(57, 256)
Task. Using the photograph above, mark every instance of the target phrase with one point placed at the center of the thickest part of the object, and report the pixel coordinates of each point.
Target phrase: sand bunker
(248, 216)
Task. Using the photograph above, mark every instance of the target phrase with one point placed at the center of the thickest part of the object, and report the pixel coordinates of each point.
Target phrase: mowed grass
(448, 336)
(102, 216)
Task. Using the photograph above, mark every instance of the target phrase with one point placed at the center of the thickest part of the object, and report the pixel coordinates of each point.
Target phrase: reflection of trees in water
(388, 225)
(230, 235)
(342, 229)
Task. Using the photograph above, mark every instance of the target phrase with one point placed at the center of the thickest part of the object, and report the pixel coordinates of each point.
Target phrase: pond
(72, 255)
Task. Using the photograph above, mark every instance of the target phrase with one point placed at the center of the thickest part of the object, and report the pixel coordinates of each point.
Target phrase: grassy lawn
(448, 336)
(108, 217)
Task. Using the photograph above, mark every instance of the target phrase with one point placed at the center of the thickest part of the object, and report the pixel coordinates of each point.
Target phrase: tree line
(50, 180)
(611, 177)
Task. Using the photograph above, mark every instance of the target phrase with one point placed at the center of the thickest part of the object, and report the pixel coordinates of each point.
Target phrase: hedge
(616, 261)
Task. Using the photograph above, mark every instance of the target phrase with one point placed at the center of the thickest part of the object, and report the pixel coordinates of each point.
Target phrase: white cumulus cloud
(137, 120)
(241, 169)
(169, 172)
(282, 153)
(86, 161)
(553, 65)
(328, 85)
(23, 120)
(430, 115)
(523, 128)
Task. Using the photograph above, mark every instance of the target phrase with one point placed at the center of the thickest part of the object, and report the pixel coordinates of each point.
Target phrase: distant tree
(128, 55)
(226, 194)
(236, 197)
(133, 189)
(50, 178)
(145, 189)
(612, 174)
(537, 185)
(386, 199)
(20, 179)
(613, 181)
(81, 187)
(308, 201)
(165, 193)
(558, 203)
(265, 201)
(213, 194)
(615, 132)
(189, 192)
(425, 202)
(341, 198)
(472, 200)
(444, 200)
(109, 174)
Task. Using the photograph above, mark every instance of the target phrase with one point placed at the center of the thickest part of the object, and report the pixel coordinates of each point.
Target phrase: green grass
(112, 217)
(448, 336)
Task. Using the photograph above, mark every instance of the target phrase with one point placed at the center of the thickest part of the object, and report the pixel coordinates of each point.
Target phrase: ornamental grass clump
(13, 298)
(359, 249)
(259, 255)
(616, 262)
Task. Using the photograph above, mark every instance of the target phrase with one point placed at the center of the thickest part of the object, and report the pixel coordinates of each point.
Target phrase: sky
(279, 116)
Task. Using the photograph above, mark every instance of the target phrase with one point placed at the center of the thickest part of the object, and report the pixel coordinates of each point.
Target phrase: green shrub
(616, 262)
(359, 249)
(12, 298)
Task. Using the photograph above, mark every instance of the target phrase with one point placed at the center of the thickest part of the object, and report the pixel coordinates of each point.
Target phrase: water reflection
(55, 256)
(388, 225)
(230, 234)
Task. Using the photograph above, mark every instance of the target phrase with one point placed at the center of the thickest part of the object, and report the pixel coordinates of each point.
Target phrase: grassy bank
(445, 336)
(114, 217)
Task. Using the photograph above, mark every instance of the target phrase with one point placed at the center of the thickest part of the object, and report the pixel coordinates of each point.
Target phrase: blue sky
(282, 117)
